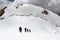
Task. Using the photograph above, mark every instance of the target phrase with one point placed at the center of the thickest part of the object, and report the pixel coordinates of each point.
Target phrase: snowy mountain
(52, 5)
(28, 16)
(28, 9)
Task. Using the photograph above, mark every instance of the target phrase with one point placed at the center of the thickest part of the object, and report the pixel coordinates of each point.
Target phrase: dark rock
(45, 12)
(2, 11)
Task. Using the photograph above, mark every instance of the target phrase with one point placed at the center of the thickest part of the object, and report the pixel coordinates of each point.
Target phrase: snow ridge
(28, 9)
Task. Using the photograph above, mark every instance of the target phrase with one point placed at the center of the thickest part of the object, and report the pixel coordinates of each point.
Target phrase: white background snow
(43, 27)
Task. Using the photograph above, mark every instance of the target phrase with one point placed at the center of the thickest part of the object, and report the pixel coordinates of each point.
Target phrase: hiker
(20, 29)
(25, 29)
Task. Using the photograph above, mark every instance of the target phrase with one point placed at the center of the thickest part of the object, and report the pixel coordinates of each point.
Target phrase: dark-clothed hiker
(20, 29)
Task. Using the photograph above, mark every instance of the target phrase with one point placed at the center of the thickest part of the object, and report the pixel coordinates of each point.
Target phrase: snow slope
(28, 16)
(28, 9)
(40, 29)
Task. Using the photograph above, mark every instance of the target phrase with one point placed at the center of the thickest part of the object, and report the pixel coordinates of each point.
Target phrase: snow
(43, 27)
(3, 3)
(29, 22)
(34, 11)
(40, 29)
(53, 5)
